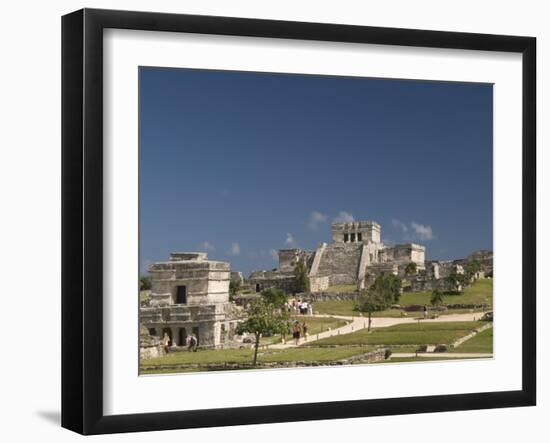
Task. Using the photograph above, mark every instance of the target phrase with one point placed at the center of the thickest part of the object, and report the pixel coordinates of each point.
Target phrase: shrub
(422, 348)
(412, 308)
(144, 283)
(387, 354)
(488, 316)
(440, 348)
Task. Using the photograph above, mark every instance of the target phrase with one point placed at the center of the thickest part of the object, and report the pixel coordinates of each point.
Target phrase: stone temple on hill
(355, 256)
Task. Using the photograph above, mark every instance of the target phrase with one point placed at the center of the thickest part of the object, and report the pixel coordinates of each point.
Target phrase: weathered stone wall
(356, 232)
(205, 281)
(448, 267)
(403, 254)
(149, 346)
(261, 280)
(340, 262)
(237, 277)
(289, 257)
(485, 259)
(318, 284)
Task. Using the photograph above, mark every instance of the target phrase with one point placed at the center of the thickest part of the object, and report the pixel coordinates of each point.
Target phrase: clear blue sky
(242, 164)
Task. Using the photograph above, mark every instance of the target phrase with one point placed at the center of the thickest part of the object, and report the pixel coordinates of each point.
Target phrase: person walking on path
(296, 333)
(166, 342)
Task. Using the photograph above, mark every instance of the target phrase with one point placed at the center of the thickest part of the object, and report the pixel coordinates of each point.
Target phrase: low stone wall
(331, 296)
(147, 352)
(467, 306)
(368, 357)
(471, 335)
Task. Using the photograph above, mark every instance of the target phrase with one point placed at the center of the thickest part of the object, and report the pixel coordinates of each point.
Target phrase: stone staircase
(317, 260)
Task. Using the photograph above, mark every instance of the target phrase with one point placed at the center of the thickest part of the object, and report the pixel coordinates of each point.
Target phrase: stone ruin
(435, 274)
(149, 346)
(355, 256)
(190, 295)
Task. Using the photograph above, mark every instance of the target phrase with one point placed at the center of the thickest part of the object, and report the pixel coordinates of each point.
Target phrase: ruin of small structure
(355, 256)
(190, 295)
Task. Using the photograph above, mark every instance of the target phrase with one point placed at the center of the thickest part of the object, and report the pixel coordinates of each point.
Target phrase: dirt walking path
(358, 323)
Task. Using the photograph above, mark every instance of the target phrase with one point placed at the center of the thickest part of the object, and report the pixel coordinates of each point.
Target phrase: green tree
(301, 279)
(436, 298)
(144, 283)
(388, 287)
(274, 296)
(263, 318)
(411, 268)
(456, 282)
(472, 268)
(385, 291)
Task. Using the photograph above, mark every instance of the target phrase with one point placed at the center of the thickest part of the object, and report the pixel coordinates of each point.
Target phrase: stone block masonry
(190, 296)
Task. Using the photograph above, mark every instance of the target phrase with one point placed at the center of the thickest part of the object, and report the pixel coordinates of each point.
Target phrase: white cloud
(274, 254)
(206, 246)
(315, 219)
(414, 230)
(344, 216)
(424, 232)
(399, 224)
(235, 249)
(290, 240)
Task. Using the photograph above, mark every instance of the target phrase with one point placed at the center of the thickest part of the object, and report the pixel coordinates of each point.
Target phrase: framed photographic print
(269, 221)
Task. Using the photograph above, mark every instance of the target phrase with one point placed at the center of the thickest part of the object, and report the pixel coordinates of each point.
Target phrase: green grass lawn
(406, 334)
(213, 356)
(480, 343)
(479, 292)
(315, 326)
(336, 307)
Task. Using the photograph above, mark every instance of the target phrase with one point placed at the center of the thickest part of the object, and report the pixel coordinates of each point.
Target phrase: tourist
(425, 312)
(296, 333)
(193, 342)
(188, 342)
(304, 330)
(309, 309)
(166, 342)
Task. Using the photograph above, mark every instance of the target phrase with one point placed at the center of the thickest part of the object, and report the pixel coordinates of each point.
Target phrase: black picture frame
(82, 219)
